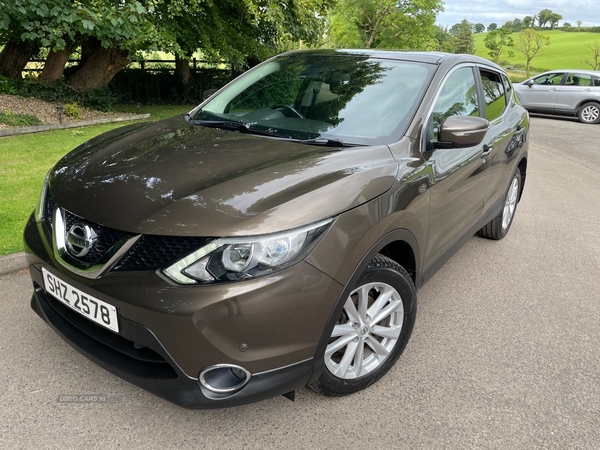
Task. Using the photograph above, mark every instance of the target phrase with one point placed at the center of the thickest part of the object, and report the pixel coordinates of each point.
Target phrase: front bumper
(152, 368)
(168, 334)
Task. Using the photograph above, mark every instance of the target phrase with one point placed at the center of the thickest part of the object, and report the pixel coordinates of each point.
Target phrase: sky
(501, 11)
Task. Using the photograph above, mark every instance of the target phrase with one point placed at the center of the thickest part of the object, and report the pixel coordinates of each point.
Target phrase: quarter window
(493, 92)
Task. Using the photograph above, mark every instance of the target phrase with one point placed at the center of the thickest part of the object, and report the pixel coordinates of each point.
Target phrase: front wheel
(589, 113)
(372, 330)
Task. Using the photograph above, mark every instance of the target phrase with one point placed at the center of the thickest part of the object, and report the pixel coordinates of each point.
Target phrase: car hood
(176, 178)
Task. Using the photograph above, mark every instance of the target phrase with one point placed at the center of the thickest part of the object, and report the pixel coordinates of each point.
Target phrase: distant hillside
(566, 50)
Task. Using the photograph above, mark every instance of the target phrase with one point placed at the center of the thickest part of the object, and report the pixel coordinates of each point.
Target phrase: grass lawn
(27, 158)
(566, 50)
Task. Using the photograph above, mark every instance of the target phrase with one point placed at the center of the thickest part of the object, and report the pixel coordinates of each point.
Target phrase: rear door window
(578, 79)
(493, 94)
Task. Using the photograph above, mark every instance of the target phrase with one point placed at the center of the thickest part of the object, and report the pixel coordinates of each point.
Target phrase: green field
(27, 158)
(566, 50)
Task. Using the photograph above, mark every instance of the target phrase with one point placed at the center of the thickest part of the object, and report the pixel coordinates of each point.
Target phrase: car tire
(589, 113)
(362, 348)
(499, 226)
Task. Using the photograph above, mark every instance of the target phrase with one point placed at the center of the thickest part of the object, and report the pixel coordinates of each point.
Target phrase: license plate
(90, 307)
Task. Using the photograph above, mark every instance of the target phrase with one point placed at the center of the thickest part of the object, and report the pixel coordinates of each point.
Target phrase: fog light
(224, 378)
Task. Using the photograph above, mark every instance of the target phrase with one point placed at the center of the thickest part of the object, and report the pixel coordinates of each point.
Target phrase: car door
(577, 87)
(459, 175)
(507, 125)
(542, 92)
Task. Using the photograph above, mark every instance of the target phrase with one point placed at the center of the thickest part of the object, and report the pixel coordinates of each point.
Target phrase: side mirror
(529, 83)
(461, 132)
(208, 93)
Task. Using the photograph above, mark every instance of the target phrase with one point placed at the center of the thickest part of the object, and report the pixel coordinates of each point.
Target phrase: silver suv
(563, 92)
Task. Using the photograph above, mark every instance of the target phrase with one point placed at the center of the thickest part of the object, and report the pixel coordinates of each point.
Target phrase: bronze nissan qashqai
(276, 235)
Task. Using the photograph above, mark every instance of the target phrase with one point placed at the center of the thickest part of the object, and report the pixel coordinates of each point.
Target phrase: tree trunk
(183, 71)
(99, 69)
(15, 56)
(89, 46)
(55, 64)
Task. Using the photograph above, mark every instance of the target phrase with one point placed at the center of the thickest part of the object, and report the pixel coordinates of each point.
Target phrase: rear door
(576, 88)
(508, 123)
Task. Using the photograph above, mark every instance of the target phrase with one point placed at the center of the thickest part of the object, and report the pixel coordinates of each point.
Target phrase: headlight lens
(235, 259)
(39, 210)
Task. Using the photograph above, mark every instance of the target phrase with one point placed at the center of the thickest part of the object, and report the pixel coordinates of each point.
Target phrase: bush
(142, 86)
(19, 120)
(73, 111)
(7, 86)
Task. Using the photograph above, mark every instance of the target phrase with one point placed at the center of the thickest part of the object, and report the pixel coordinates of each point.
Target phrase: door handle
(487, 149)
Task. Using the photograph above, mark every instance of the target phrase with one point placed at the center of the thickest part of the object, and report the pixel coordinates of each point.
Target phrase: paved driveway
(505, 352)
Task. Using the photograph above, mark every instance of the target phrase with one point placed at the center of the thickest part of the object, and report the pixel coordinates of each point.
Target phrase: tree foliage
(237, 31)
(547, 16)
(463, 37)
(529, 21)
(478, 28)
(383, 23)
(496, 41)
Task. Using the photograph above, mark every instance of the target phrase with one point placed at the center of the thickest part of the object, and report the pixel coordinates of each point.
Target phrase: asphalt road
(505, 352)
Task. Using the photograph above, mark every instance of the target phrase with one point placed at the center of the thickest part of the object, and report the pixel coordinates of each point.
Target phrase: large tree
(530, 43)
(546, 16)
(59, 25)
(109, 32)
(529, 21)
(384, 23)
(554, 19)
(463, 37)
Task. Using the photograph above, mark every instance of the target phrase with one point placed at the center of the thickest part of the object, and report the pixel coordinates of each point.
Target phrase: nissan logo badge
(80, 239)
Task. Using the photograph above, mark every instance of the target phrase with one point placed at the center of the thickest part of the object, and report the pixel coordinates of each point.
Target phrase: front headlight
(39, 209)
(235, 259)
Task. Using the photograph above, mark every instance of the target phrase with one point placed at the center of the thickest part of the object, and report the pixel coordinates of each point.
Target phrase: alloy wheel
(366, 332)
(510, 204)
(590, 113)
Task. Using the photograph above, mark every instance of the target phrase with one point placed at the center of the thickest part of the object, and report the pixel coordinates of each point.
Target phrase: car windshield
(335, 97)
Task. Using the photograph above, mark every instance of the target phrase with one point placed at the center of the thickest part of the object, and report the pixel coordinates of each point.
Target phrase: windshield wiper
(236, 126)
(329, 142)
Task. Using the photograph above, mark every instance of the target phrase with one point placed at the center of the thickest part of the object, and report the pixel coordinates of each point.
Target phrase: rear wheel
(498, 227)
(589, 113)
(372, 330)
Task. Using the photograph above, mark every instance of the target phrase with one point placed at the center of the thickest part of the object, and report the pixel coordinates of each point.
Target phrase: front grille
(150, 252)
(154, 252)
(107, 237)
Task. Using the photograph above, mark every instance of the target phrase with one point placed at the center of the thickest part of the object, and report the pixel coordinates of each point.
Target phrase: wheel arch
(582, 103)
(402, 247)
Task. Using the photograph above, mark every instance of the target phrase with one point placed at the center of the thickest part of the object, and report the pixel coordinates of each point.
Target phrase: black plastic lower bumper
(144, 362)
